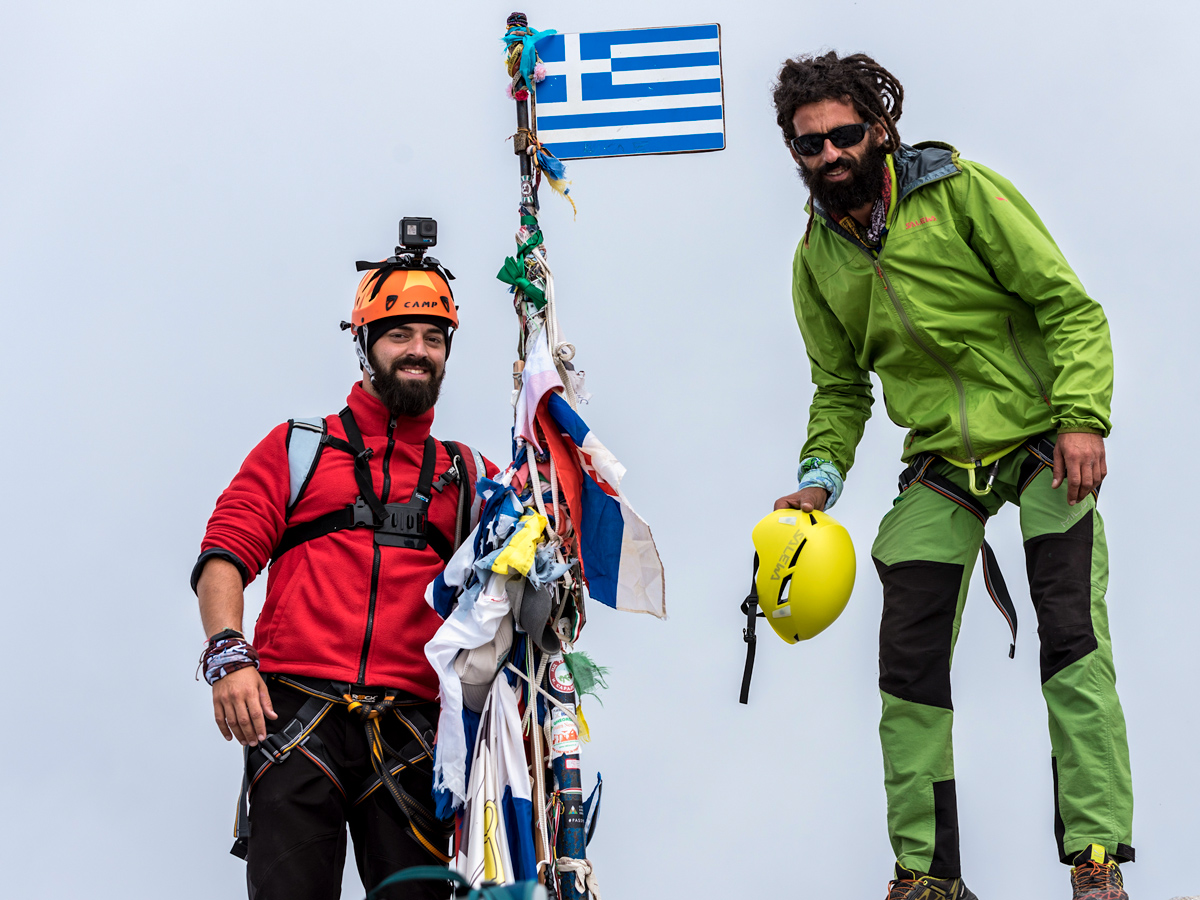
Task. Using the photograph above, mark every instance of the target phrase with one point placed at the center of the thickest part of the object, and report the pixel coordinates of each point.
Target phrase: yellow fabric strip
(517, 554)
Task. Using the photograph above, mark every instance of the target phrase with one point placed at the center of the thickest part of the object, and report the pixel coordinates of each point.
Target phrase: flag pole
(568, 853)
(529, 198)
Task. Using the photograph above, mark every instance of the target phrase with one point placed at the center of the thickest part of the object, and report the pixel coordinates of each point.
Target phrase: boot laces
(913, 889)
(1094, 876)
(900, 889)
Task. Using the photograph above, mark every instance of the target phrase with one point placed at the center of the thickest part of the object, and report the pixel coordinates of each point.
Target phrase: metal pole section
(529, 200)
(564, 756)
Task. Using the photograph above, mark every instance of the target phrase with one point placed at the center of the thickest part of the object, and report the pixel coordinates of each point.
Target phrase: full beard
(403, 396)
(865, 184)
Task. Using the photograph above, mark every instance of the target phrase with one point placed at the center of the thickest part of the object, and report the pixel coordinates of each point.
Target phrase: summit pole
(529, 198)
(568, 853)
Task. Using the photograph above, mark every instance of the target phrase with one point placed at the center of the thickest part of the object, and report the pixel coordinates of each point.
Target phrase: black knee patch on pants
(919, 601)
(1060, 583)
(945, 862)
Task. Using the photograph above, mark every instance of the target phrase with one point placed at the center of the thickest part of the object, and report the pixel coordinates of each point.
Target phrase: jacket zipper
(387, 458)
(387, 483)
(912, 333)
(1012, 337)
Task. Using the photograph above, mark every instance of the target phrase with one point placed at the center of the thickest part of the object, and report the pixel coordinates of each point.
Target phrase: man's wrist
(822, 473)
(224, 655)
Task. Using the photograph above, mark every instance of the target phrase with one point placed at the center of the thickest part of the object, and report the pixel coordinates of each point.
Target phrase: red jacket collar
(372, 418)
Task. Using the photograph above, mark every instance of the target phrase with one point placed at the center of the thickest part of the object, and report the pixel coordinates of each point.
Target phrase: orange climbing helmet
(407, 287)
(403, 287)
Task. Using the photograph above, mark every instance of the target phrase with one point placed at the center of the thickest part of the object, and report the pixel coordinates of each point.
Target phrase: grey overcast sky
(184, 189)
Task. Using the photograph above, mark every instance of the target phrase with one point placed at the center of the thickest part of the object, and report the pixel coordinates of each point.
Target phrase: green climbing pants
(925, 553)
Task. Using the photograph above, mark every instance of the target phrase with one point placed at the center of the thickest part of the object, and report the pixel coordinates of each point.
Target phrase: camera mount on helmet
(417, 234)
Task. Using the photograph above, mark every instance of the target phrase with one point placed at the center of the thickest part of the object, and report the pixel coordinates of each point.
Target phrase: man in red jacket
(334, 701)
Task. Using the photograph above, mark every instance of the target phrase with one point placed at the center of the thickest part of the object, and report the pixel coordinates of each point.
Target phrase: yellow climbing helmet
(805, 571)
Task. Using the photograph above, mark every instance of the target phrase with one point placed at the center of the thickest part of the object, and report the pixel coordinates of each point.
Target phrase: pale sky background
(184, 189)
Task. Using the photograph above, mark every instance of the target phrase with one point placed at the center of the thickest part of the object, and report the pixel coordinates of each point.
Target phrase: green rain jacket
(980, 333)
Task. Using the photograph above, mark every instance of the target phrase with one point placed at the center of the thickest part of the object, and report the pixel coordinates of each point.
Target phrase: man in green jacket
(934, 273)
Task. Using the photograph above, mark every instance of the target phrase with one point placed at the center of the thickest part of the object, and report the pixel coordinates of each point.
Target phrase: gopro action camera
(418, 232)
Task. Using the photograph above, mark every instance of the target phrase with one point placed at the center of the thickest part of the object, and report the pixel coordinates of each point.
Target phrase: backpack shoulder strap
(475, 469)
(304, 452)
(469, 467)
(480, 471)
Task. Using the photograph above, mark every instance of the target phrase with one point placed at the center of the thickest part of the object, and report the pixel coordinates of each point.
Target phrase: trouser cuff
(1122, 853)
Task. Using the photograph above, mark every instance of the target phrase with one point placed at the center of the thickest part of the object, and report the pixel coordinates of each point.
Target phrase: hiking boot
(1096, 876)
(910, 885)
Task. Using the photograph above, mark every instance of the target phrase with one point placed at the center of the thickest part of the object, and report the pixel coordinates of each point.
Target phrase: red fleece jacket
(321, 617)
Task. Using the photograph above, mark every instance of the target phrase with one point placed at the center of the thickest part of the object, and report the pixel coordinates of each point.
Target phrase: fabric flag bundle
(496, 840)
(539, 377)
(620, 562)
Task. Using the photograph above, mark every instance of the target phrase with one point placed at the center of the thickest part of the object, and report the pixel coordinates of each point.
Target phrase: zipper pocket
(1016, 345)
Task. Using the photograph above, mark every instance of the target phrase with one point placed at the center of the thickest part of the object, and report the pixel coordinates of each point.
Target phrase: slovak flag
(620, 562)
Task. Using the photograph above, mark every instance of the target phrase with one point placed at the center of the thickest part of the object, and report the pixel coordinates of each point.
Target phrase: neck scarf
(875, 231)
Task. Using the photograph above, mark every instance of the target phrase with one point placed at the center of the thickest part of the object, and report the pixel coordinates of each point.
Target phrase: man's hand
(240, 700)
(1079, 458)
(805, 500)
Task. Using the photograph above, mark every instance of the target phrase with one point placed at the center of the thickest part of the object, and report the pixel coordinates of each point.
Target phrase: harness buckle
(273, 745)
(362, 514)
(450, 476)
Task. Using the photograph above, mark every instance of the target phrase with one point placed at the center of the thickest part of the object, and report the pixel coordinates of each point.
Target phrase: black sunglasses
(841, 137)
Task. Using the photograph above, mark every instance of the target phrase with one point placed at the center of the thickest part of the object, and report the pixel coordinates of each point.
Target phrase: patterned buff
(879, 211)
(225, 656)
(817, 472)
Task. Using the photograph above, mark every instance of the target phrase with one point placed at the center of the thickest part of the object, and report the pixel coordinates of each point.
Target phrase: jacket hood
(922, 163)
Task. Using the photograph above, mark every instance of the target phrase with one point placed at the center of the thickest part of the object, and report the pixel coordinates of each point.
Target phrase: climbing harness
(395, 524)
(403, 525)
(370, 705)
(920, 471)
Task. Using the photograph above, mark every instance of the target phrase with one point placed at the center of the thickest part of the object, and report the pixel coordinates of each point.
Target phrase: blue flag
(627, 93)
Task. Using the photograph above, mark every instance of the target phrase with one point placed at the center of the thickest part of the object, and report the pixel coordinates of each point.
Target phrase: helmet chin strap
(360, 347)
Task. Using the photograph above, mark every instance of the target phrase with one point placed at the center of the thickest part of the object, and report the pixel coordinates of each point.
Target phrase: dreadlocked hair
(874, 91)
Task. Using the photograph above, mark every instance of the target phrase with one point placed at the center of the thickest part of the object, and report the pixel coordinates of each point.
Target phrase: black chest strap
(404, 524)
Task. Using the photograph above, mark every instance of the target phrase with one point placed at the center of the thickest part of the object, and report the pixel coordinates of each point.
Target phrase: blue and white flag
(627, 93)
(620, 562)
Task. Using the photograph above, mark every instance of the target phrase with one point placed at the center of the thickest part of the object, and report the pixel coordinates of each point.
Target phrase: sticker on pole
(632, 92)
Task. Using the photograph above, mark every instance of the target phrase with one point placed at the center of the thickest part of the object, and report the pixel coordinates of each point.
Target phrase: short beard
(865, 184)
(401, 396)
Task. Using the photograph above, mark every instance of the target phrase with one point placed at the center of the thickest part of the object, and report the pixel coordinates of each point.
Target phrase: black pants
(298, 816)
